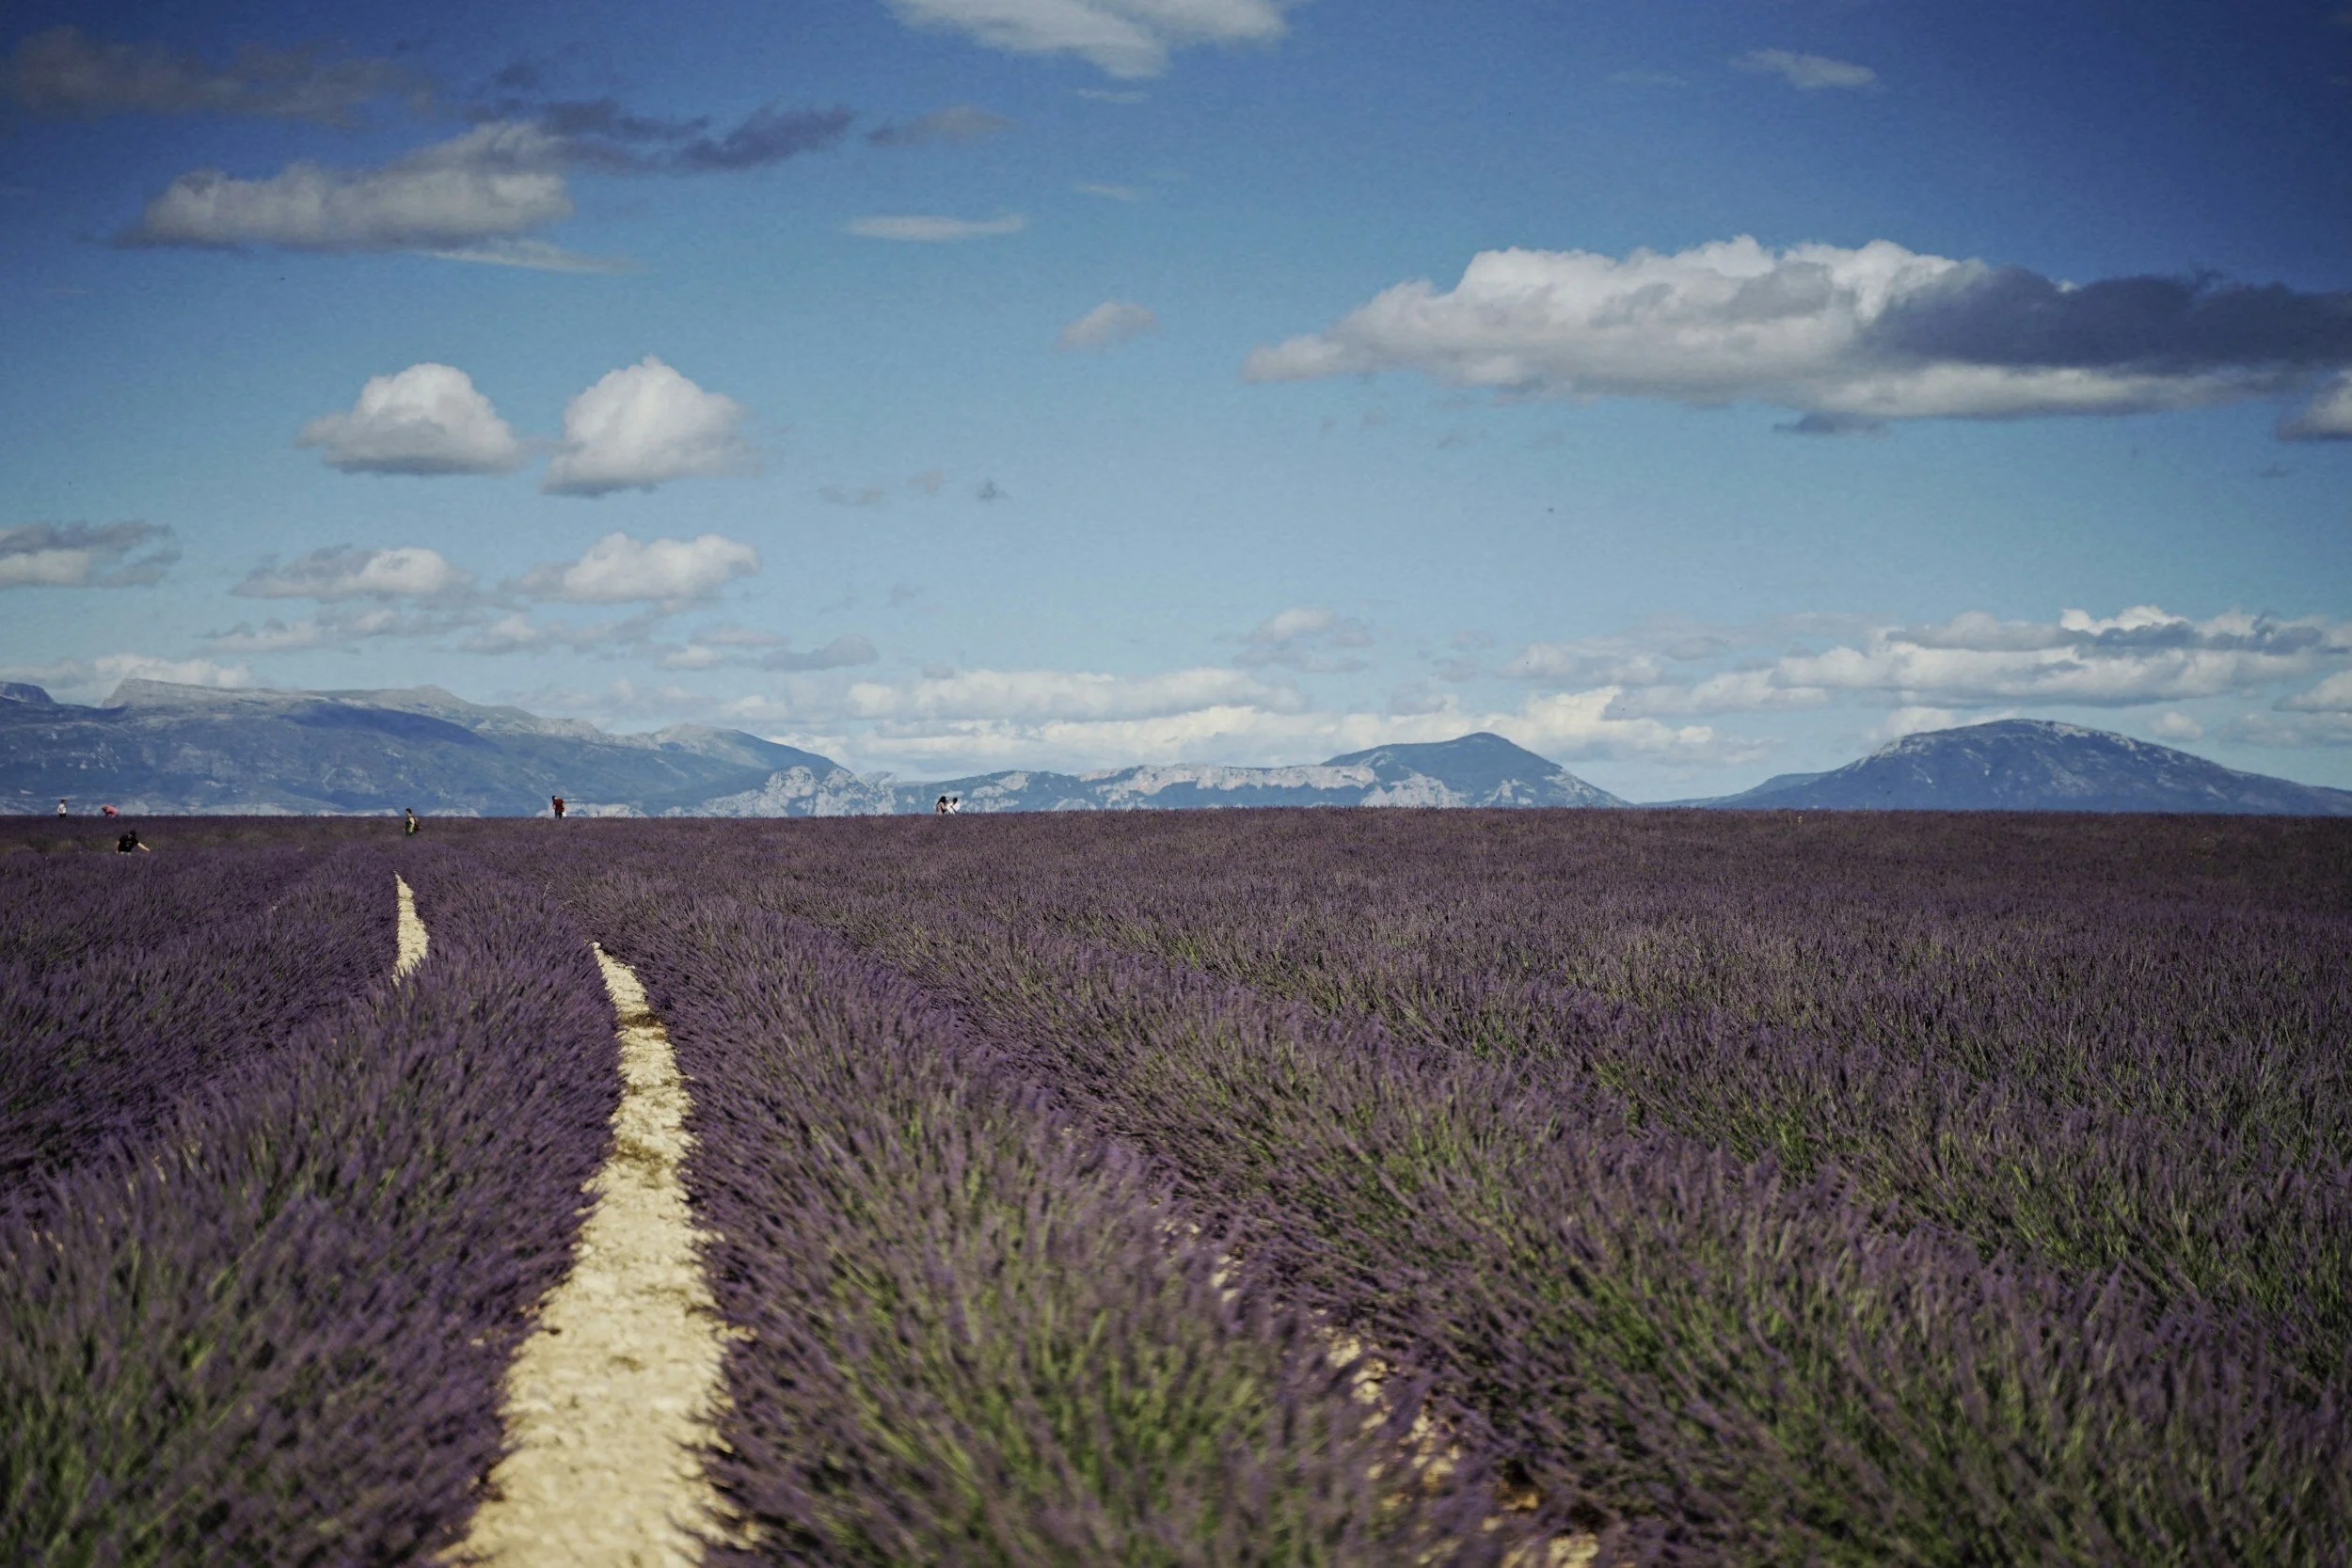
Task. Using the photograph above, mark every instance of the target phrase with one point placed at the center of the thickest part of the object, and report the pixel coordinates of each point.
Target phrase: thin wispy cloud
(1806, 73)
(63, 73)
(1126, 39)
(1108, 324)
(928, 229)
(957, 126)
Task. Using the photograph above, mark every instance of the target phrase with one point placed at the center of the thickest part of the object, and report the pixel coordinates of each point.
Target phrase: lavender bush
(127, 981)
(272, 1329)
(971, 1334)
(1903, 1312)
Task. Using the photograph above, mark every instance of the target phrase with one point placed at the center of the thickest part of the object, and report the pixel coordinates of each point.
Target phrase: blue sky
(1689, 393)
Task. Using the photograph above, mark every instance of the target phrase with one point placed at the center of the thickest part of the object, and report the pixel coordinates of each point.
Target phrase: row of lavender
(272, 1223)
(967, 1333)
(1935, 1191)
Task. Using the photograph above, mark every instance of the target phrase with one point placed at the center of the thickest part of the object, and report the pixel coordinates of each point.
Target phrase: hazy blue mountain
(157, 747)
(161, 748)
(1479, 769)
(1474, 770)
(2036, 765)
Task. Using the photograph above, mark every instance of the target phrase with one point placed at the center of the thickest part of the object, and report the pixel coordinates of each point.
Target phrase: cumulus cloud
(1845, 338)
(494, 181)
(1806, 73)
(428, 419)
(1303, 638)
(2327, 417)
(955, 124)
(645, 424)
(84, 555)
(1108, 324)
(63, 73)
(921, 228)
(1125, 39)
(340, 572)
(617, 569)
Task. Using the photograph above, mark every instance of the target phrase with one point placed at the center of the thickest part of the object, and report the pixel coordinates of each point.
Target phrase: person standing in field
(411, 814)
(557, 801)
(940, 809)
(60, 805)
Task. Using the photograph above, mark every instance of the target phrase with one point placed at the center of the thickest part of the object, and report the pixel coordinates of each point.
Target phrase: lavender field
(1725, 1188)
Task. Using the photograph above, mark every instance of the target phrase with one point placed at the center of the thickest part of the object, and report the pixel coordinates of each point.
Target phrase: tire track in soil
(611, 1402)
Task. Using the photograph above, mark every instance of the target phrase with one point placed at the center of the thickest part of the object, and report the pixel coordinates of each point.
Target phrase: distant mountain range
(158, 747)
(2036, 765)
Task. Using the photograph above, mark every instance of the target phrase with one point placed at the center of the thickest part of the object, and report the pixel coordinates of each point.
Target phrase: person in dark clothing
(413, 824)
(557, 801)
(129, 842)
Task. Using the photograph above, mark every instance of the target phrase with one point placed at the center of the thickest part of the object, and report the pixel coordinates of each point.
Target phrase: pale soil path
(610, 1403)
(413, 940)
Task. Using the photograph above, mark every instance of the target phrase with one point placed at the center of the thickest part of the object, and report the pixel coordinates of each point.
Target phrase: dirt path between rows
(413, 940)
(610, 1403)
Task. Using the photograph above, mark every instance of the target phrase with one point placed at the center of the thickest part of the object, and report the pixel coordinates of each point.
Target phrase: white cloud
(84, 555)
(2332, 695)
(518, 633)
(1032, 695)
(1108, 324)
(618, 569)
(428, 419)
(338, 627)
(2140, 656)
(1846, 336)
(2177, 725)
(534, 256)
(1731, 692)
(340, 572)
(641, 425)
(89, 680)
(1126, 39)
(1301, 638)
(1806, 71)
(2327, 417)
(1570, 664)
(1110, 193)
(925, 230)
(495, 181)
(1902, 721)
